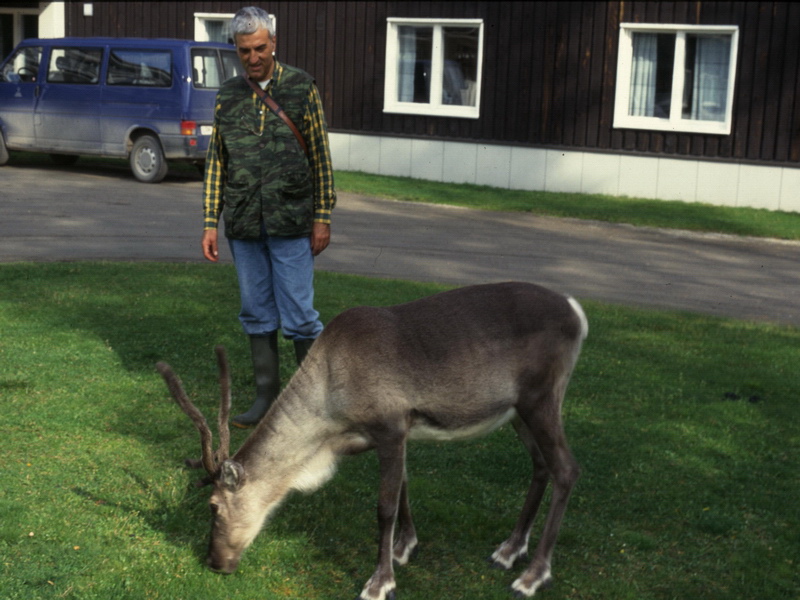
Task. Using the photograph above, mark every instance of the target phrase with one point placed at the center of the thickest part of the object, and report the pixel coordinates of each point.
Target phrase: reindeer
(454, 365)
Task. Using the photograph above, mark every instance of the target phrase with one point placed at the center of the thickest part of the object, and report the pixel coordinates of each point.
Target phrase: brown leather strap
(278, 111)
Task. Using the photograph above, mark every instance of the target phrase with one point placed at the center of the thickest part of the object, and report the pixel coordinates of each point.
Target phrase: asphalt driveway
(101, 213)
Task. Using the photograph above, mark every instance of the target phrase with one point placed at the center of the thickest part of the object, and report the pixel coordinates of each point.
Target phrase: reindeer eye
(214, 508)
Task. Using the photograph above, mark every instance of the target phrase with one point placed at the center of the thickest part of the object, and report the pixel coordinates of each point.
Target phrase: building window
(212, 27)
(676, 77)
(433, 67)
(17, 25)
(215, 27)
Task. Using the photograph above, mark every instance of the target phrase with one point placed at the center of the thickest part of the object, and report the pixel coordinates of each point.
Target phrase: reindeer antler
(224, 405)
(176, 389)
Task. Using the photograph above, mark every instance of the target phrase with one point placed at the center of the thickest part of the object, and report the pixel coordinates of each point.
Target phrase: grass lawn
(687, 428)
(692, 216)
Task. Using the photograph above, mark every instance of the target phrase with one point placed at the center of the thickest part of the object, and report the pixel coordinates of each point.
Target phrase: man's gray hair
(249, 20)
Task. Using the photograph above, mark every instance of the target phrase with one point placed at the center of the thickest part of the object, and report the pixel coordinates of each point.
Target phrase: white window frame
(200, 31)
(200, 18)
(435, 106)
(675, 122)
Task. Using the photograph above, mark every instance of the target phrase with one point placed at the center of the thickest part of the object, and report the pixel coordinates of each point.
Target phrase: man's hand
(320, 238)
(209, 243)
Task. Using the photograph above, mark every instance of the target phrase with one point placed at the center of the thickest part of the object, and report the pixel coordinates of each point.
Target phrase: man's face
(255, 51)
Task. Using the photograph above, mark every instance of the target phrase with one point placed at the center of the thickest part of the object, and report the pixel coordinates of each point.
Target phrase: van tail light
(188, 128)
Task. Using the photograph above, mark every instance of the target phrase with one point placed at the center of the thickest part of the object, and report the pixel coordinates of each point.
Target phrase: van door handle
(36, 92)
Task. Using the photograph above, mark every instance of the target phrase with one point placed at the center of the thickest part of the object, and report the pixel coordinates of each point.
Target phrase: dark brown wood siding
(549, 69)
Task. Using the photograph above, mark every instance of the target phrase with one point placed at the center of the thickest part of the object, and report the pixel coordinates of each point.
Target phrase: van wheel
(3, 150)
(147, 160)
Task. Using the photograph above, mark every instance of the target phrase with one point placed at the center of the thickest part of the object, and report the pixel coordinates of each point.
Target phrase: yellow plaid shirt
(315, 132)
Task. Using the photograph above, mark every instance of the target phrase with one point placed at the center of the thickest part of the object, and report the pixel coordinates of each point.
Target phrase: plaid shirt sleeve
(315, 132)
(213, 178)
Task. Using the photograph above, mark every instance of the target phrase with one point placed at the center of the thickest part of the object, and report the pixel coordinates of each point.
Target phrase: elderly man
(271, 180)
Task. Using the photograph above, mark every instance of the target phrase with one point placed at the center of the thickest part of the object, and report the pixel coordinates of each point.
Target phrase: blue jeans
(276, 285)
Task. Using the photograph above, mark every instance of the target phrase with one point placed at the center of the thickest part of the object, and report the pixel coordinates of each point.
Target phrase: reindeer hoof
(407, 555)
(384, 592)
(521, 590)
(496, 562)
(501, 565)
(389, 596)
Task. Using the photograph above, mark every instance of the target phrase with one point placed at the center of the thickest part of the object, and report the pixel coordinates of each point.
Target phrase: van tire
(147, 160)
(3, 150)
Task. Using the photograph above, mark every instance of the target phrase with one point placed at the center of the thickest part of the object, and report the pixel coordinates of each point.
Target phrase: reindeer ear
(231, 475)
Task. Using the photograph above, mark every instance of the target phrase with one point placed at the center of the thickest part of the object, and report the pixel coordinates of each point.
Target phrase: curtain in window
(710, 80)
(643, 75)
(216, 31)
(407, 63)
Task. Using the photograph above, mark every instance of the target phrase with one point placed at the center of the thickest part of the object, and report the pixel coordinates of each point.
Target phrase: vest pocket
(298, 186)
(293, 210)
(240, 212)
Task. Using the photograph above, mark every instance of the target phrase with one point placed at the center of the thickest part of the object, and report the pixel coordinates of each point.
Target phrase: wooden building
(694, 101)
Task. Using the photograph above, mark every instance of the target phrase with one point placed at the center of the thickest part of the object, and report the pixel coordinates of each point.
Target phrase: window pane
(651, 74)
(74, 65)
(205, 68)
(231, 65)
(460, 66)
(207, 72)
(217, 31)
(140, 67)
(23, 66)
(414, 64)
(30, 26)
(706, 87)
(6, 35)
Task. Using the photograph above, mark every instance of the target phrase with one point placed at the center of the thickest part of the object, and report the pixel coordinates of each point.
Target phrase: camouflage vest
(268, 176)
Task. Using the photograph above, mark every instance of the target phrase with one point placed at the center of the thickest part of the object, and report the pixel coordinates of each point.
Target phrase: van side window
(23, 67)
(149, 68)
(211, 67)
(231, 65)
(74, 65)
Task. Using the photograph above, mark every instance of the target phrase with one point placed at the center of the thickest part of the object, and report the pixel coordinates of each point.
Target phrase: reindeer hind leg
(516, 546)
(545, 425)
(405, 539)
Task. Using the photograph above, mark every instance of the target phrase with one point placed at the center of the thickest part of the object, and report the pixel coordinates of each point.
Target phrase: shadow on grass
(180, 524)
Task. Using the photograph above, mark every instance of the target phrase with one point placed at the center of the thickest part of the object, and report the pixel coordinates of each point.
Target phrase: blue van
(148, 100)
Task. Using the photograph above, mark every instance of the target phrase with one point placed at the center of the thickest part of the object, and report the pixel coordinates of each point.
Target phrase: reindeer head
(235, 524)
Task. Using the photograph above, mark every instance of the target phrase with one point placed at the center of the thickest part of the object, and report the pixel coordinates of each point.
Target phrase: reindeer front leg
(392, 458)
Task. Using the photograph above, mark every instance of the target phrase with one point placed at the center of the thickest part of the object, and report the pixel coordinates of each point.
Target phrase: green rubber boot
(301, 348)
(266, 370)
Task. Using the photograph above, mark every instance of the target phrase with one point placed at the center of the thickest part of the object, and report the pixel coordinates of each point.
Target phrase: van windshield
(210, 67)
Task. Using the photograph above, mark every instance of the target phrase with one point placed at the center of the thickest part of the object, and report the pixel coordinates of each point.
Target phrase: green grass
(692, 216)
(689, 488)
